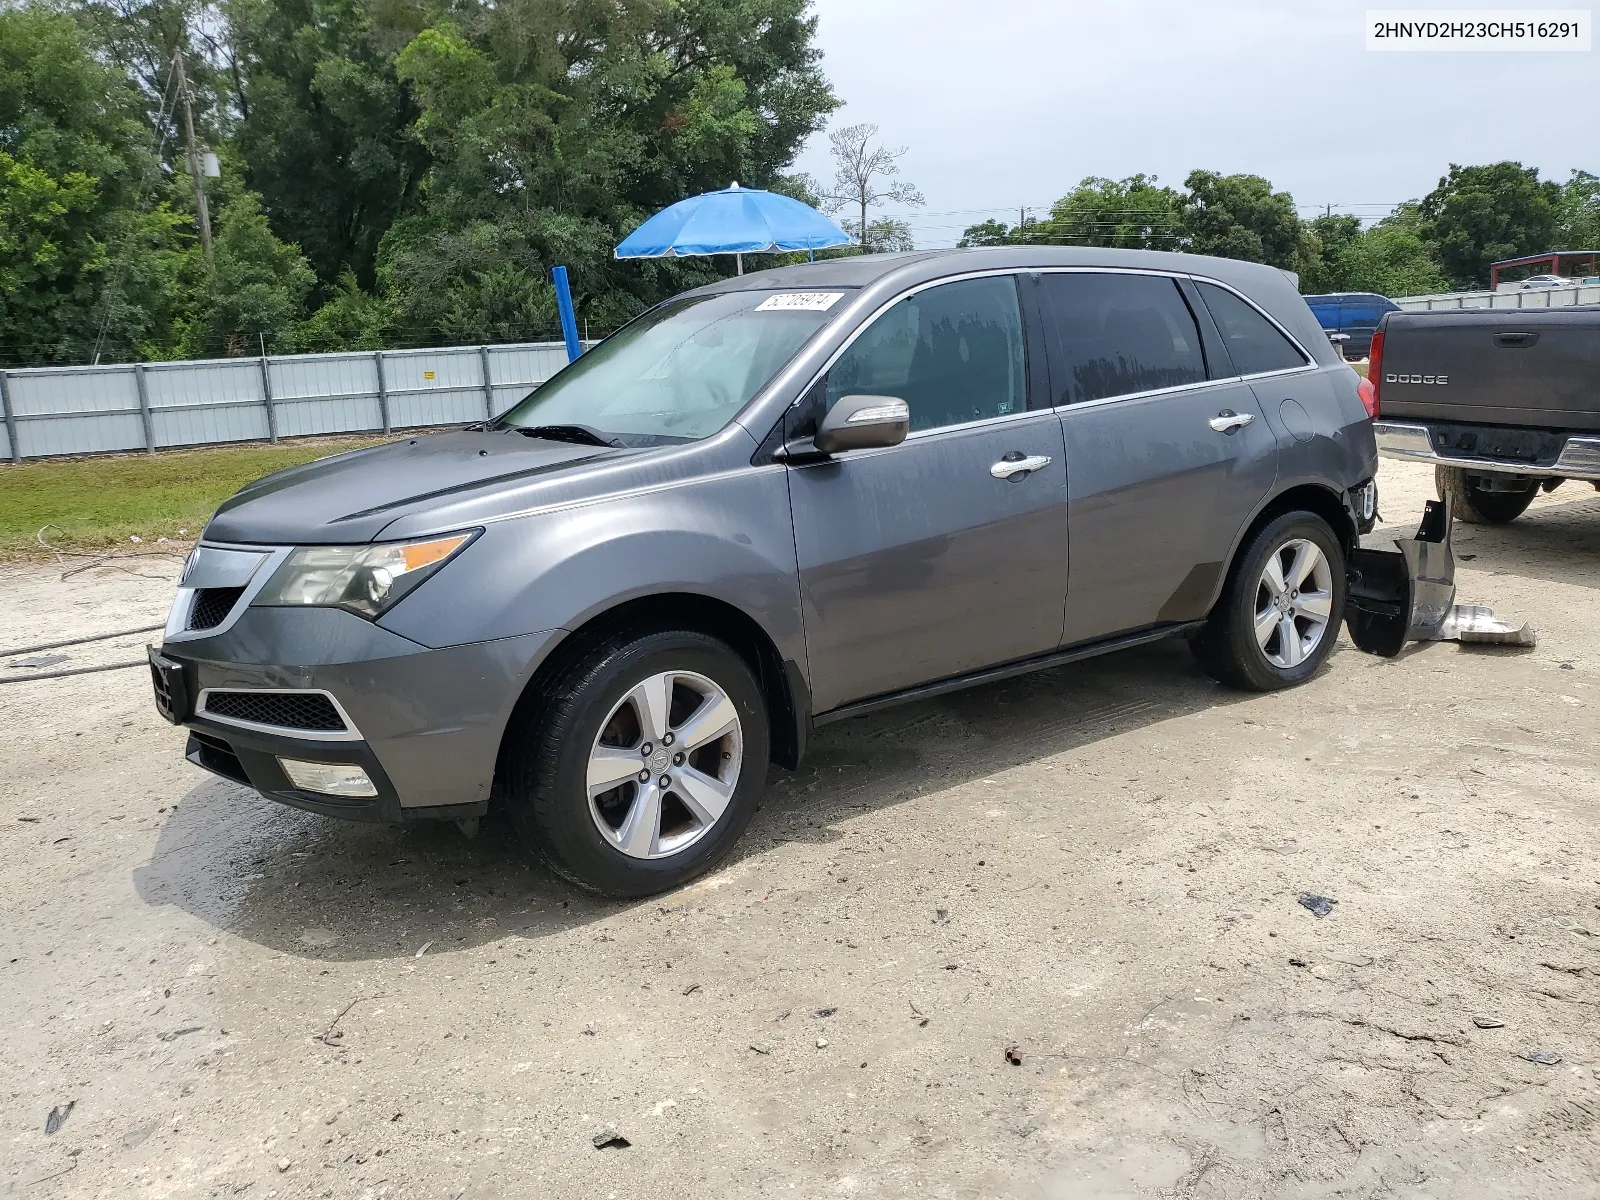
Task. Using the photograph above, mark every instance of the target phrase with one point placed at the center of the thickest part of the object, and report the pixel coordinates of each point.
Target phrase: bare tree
(863, 177)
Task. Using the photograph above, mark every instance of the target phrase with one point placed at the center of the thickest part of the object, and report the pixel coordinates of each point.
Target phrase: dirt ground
(1097, 866)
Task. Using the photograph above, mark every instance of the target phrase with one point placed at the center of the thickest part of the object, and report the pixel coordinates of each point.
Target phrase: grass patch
(100, 502)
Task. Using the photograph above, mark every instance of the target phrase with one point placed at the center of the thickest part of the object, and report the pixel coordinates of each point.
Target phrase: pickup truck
(1502, 403)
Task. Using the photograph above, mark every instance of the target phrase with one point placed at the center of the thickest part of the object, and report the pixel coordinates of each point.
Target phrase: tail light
(1370, 389)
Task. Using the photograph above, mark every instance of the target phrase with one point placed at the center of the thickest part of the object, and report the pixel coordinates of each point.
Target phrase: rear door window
(1255, 343)
(1120, 334)
(953, 353)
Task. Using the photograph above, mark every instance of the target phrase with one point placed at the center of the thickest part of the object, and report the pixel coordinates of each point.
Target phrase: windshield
(681, 371)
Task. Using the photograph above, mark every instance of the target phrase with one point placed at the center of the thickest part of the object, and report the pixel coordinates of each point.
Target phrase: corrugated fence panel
(517, 370)
(435, 387)
(198, 403)
(325, 393)
(79, 410)
(56, 410)
(1555, 297)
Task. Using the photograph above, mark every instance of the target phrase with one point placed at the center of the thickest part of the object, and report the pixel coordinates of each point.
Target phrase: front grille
(214, 754)
(310, 711)
(212, 606)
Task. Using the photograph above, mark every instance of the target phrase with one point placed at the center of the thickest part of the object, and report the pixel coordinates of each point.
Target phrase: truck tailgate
(1536, 368)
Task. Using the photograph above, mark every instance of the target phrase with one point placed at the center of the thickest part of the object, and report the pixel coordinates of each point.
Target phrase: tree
(1132, 213)
(986, 233)
(1579, 212)
(553, 130)
(324, 124)
(1480, 215)
(1240, 216)
(1390, 258)
(864, 173)
(885, 235)
(82, 229)
(257, 292)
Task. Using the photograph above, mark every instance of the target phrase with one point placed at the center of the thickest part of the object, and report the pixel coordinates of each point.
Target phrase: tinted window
(952, 352)
(1122, 334)
(1253, 341)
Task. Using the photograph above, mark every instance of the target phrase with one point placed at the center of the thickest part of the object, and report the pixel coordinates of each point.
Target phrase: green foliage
(1390, 258)
(323, 124)
(393, 170)
(885, 235)
(1480, 215)
(350, 319)
(1579, 212)
(986, 233)
(552, 132)
(258, 288)
(1240, 216)
(1132, 213)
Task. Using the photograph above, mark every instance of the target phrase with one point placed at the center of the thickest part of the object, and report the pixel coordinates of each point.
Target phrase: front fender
(727, 536)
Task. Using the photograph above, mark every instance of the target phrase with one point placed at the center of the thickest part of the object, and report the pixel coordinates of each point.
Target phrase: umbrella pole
(738, 262)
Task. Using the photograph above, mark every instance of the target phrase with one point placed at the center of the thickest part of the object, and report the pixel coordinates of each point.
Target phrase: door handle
(1010, 468)
(1227, 420)
(1515, 339)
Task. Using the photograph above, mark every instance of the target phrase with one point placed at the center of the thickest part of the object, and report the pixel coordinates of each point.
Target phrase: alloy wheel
(665, 764)
(1294, 603)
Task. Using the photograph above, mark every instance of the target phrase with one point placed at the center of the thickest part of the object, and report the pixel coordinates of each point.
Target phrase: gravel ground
(1093, 870)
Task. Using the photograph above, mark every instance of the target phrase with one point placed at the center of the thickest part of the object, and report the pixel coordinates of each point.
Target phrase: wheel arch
(1316, 498)
(783, 684)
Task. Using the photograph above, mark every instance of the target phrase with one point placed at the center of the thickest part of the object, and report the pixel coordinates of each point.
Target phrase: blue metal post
(569, 319)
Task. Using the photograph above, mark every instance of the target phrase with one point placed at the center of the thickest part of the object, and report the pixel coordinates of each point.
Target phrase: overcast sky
(1006, 103)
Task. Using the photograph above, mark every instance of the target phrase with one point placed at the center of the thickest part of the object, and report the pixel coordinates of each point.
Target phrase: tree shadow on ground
(330, 890)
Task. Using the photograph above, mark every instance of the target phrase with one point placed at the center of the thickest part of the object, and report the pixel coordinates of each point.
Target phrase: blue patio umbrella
(735, 220)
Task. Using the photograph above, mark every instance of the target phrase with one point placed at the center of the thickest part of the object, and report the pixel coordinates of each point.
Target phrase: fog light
(331, 779)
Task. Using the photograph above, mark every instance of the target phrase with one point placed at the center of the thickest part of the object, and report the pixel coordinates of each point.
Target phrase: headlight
(366, 580)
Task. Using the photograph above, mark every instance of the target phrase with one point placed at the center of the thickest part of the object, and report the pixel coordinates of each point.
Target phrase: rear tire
(1261, 637)
(640, 764)
(1475, 504)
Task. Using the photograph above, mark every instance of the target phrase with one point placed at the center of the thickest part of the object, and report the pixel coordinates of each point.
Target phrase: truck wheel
(1278, 617)
(1477, 505)
(640, 764)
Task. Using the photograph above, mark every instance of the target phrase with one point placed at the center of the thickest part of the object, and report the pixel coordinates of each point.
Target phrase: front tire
(641, 763)
(1278, 617)
(1477, 505)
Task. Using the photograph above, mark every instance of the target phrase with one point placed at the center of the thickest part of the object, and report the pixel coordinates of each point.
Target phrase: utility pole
(202, 214)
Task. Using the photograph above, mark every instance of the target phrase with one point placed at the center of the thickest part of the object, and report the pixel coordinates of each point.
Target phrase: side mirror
(863, 423)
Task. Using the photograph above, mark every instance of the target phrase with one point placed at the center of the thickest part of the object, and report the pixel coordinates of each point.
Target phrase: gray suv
(778, 501)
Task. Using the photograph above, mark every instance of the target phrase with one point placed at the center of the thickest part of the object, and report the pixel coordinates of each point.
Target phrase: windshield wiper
(581, 434)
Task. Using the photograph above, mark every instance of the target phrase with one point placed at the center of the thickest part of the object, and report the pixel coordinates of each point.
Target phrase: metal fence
(1556, 297)
(148, 406)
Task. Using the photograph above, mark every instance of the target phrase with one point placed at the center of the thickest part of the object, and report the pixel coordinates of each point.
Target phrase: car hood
(350, 498)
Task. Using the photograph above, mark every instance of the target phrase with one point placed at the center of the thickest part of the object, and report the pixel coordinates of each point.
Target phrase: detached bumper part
(1406, 594)
(1409, 595)
(1477, 624)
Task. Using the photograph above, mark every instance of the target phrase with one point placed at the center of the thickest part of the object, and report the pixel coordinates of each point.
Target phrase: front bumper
(1579, 457)
(425, 724)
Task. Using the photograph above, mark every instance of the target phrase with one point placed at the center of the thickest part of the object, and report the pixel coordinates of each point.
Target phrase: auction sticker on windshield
(800, 301)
